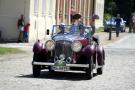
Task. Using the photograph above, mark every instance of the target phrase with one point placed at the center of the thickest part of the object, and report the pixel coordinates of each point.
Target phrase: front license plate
(62, 68)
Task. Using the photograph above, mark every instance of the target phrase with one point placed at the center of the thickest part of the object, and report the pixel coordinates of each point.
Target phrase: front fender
(100, 55)
(38, 46)
(89, 50)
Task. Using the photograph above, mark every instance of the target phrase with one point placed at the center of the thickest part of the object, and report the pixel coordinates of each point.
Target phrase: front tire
(99, 71)
(36, 70)
(89, 70)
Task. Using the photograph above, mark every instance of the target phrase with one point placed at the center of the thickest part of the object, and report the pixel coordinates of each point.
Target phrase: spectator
(133, 18)
(26, 32)
(133, 23)
(94, 37)
(20, 26)
(118, 22)
(72, 13)
(94, 17)
(130, 24)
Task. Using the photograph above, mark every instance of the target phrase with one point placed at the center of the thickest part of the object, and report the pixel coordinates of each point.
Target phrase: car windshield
(71, 29)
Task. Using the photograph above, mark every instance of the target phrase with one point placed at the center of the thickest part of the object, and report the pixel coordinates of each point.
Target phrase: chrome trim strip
(68, 65)
(42, 63)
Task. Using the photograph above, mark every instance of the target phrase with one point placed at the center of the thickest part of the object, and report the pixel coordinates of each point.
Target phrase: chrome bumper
(68, 65)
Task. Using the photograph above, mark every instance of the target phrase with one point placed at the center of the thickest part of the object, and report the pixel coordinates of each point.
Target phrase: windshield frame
(69, 31)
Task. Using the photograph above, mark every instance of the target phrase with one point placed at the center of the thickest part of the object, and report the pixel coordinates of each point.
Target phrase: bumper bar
(68, 65)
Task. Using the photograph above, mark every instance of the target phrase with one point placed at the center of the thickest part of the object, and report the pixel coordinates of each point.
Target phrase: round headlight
(76, 46)
(50, 45)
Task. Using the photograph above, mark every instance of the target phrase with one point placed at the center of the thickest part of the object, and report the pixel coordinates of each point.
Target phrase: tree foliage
(123, 7)
(110, 9)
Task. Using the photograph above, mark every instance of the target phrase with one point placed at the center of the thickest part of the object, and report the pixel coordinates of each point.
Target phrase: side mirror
(47, 31)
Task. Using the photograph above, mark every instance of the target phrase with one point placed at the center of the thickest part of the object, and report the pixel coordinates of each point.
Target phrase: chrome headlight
(76, 46)
(50, 45)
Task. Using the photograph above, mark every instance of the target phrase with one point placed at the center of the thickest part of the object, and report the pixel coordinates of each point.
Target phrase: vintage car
(111, 24)
(70, 48)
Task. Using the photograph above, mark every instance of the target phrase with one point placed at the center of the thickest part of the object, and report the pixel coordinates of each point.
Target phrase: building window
(36, 5)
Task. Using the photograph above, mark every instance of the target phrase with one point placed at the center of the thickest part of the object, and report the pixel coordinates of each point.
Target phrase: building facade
(64, 8)
(42, 14)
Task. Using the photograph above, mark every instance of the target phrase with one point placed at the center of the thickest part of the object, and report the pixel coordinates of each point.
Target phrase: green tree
(110, 9)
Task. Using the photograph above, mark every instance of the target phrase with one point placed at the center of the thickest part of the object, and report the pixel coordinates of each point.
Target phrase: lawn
(100, 29)
(4, 50)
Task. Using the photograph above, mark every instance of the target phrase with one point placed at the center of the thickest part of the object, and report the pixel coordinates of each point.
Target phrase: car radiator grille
(63, 47)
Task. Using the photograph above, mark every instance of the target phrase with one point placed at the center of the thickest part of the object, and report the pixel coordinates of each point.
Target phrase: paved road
(119, 72)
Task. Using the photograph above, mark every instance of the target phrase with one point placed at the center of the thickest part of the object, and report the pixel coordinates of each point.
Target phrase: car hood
(67, 37)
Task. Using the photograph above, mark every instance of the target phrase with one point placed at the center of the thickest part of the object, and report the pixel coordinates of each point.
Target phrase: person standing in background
(92, 24)
(133, 19)
(26, 32)
(72, 13)
(132, 23)
(118, 23)
(20, 26)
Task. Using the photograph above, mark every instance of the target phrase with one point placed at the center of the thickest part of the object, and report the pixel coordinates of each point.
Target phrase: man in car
(61, 28)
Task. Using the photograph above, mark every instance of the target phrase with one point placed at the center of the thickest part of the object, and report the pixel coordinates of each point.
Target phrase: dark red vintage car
(70, 48)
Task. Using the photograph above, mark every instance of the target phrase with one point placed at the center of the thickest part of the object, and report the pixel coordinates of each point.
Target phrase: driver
(61, 28)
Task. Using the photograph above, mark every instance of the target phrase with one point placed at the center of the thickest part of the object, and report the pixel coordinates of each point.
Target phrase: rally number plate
(62, 68)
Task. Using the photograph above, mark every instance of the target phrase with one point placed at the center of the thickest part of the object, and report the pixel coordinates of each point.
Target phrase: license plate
(62, 68)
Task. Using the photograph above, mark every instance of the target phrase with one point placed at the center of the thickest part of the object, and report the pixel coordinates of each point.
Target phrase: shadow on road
(72, 76)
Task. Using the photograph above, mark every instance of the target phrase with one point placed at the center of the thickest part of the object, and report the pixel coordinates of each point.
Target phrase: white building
(42, 14)
(99, 10)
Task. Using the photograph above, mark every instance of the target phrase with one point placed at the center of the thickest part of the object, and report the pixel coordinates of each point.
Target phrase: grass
(100, 29)
(4, 50)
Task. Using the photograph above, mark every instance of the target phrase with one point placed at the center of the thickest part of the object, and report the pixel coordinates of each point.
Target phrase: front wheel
(89, 70)
(99, 71)
(36, 70)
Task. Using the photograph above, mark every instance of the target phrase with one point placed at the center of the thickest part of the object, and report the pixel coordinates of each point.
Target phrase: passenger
(88, 32)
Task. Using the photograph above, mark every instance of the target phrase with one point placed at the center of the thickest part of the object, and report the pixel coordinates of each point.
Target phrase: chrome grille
(63, 47)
